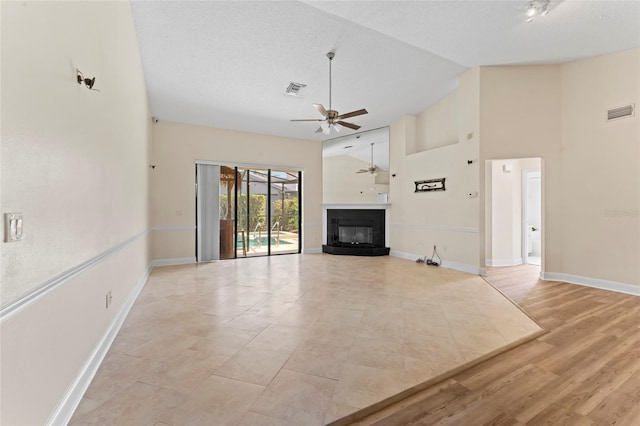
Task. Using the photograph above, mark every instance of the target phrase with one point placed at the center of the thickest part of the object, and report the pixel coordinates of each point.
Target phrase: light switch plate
(13, 227)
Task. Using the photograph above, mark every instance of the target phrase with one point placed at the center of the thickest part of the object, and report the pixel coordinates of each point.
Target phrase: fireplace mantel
(372, 206)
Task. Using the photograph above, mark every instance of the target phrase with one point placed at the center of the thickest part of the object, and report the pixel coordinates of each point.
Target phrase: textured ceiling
(226, 64)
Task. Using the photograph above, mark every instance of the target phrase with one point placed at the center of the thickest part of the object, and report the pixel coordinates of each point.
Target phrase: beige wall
(601, 168)
(75, 163)
(520, 117)
(438, 125)
(449, 219)
(176, 147)
(591, 169)
(341, 183)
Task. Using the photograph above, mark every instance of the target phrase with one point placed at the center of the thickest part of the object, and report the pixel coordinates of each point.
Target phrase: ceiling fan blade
(349, 125)
(362, 171)
(308, 119)
(321, 110)
(320, 130)
(353, 114)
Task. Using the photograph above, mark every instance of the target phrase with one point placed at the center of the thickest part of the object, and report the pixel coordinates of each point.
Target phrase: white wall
(449, 219)
(75, 163)
(176, 147)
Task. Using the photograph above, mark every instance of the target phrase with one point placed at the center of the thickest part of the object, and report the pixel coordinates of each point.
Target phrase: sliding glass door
(285, 212)
(268, 212)
(257, 212)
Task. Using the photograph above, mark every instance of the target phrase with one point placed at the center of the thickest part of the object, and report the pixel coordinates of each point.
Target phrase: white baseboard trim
(505, 262)
(471, 269)
(175, 261)
(403, 255)
(625, 288)
(312, 250)
(463, 267)
(72, 397)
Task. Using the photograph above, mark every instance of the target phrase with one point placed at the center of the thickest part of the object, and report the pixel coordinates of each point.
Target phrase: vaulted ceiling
(227, 64)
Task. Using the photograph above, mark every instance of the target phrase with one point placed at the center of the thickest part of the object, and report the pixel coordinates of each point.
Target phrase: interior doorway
(247, 211)
(514, 212)
(532, 217)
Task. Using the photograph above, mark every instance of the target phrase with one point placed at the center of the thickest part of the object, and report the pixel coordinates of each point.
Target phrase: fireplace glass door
(355, 235)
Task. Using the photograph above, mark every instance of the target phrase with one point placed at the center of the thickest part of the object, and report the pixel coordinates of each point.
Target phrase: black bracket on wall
(430, 185)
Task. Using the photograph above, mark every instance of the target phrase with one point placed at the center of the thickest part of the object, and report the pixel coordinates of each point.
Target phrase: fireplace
(359, 232)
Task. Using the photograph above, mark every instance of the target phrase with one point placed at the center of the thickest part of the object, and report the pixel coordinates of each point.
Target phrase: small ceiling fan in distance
(332, 118)
(372, 167)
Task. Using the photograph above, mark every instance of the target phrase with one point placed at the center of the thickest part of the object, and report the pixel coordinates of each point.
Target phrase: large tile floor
(296, 339)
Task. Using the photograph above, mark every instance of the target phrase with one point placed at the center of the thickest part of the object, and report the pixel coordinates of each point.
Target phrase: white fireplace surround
(376, 206)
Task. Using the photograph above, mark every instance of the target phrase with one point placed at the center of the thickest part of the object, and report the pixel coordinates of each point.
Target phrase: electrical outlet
(108, 299)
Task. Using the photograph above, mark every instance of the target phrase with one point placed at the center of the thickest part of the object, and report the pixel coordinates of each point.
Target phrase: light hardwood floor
(292, 340)
(585, 371)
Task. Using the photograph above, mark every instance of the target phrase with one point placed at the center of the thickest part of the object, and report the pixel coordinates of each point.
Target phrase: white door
(532, 217)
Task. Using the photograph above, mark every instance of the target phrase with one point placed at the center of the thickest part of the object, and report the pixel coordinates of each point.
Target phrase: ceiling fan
(332, 118)
(372, 167)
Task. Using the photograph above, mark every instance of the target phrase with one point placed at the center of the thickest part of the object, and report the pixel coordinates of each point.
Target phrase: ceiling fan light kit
(332, 118)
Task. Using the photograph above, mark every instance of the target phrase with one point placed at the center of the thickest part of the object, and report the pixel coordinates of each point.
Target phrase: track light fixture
(89, 82)
(537, 8)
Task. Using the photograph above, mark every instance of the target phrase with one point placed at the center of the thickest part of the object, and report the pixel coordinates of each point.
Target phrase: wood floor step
(585, 371)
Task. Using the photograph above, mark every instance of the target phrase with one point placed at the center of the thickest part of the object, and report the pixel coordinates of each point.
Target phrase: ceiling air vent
(294, 89)
(622, 112)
